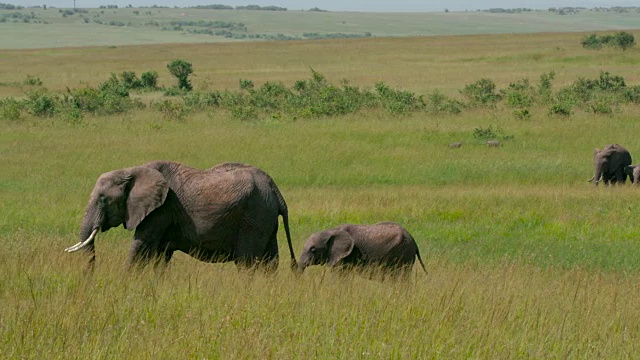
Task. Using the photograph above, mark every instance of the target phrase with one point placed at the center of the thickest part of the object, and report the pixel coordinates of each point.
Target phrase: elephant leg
(270, 258)
(252, 246)
(140, 253)
(621, 176)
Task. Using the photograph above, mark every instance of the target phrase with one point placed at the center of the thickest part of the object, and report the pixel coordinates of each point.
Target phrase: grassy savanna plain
(132, 26)
(525, 259)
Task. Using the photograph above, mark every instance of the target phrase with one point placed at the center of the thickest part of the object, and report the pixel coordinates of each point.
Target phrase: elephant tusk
(82, 244)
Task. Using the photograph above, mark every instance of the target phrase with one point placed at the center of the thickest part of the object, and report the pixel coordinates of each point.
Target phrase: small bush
(114, 87)
(602, 105)
(490, 133)
(482, 92)
(545, 87)
(32, 81)
(10, 109)
(130, 80)
(632, 94)
(439, 103)
(172, 110)
(560, 108)
(201, 100)
(397, 101)
(591, 42)
(40, 103)
(522, 114)
(181, 70)
(244, 112)
(519, 94)
(149, 80)
(246, 84)
(622, 40)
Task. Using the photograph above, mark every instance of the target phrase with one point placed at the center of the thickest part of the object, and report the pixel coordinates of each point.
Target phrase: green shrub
(482, 92)
(602, 105)
(591, 42)
(86, 99)
(171, 109)
(32, 81)
(114, 87)
(174, 91)
(246, 84)
(202, 100)
(40, 103)
(545, 87)
(632, 94)
(397, 101)
(490, 133)
(181, 70)
(244, 112)
(522, 114)
(622, 40)
(439, 103)
(608, 82)
(149, 80)
(561, 108)
(130, 80)
(10, 109)
(519, 94)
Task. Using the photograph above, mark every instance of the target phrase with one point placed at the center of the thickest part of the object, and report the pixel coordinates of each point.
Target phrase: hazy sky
(346, 5)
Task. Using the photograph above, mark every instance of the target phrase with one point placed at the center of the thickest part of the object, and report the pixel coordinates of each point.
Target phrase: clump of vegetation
(438, 103)
(11, 109)
(317, 97)
(622, 40)
(181, 70)
(481, 93)
(490, 133)
(32, 81)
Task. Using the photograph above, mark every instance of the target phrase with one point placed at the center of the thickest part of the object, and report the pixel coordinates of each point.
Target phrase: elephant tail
(284, 211)
(420, 260)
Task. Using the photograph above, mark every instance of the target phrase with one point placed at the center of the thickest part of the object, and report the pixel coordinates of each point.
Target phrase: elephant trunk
(597, 174)
(303, 263)
(91, 223)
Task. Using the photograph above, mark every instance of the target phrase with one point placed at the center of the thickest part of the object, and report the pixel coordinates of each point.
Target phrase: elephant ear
(147, 191)
(341, 244)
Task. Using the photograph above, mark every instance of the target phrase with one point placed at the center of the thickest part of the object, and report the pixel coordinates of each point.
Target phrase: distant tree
(624, 40)
(181, 70)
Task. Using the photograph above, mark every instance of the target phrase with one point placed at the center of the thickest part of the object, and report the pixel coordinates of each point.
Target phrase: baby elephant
(386, 245)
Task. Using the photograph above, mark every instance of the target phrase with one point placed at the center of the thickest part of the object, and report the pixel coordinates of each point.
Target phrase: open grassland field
(37, 27)
(525, 258)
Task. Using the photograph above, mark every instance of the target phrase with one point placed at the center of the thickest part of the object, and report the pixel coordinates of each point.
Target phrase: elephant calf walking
(385, 245)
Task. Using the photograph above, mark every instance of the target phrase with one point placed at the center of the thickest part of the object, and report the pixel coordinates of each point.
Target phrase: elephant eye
(102, 200)
(313, 249)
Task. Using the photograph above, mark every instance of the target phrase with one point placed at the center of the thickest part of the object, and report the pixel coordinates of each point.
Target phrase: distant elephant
(609, 164)
(226, 213)
(634, 173)
(386, 245)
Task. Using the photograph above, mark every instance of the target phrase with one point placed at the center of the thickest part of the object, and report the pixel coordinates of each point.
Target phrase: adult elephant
(609, 164)
(386, 246)
(226, 213)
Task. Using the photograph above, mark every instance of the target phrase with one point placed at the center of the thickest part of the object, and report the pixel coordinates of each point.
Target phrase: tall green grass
(525, 259)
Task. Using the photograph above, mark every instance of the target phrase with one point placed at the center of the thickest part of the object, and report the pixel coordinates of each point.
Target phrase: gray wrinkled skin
(226, 213)
(386, 245)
